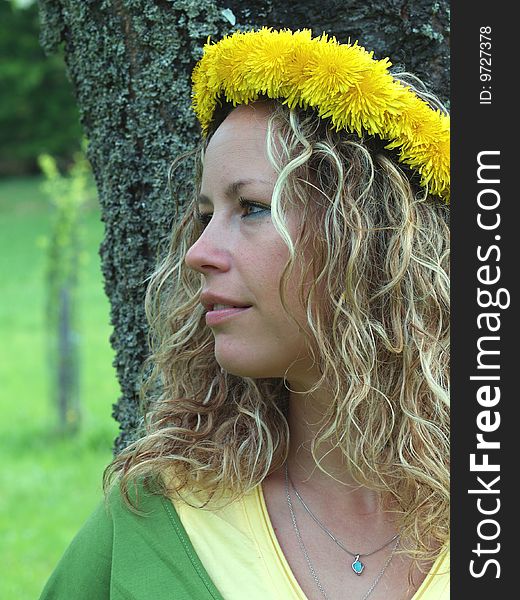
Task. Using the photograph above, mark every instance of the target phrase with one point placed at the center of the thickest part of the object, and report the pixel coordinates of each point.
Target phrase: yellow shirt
(241, 537)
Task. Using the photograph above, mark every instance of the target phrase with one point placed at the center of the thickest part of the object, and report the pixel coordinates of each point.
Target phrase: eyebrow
(231, 190)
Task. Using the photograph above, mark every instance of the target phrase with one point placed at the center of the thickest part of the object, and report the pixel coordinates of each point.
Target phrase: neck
(328, 477)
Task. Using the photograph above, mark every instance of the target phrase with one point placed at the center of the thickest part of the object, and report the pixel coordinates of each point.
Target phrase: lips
(228, 310)
(224, 306)
(213, 317)
(209, 300)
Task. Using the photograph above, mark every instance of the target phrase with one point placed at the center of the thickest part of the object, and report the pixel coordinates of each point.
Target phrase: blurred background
(57, 382)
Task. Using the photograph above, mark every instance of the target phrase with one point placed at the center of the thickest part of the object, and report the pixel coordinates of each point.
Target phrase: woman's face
(241, 254)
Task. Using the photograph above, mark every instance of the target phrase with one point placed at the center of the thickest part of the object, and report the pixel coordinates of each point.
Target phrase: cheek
(267, 267)
(293, 302)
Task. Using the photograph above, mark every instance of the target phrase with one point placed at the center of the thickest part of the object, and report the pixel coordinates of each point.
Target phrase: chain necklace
(305, 553)
(357, 566)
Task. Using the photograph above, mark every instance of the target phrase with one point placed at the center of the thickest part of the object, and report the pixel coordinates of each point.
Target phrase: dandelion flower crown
(342, 82)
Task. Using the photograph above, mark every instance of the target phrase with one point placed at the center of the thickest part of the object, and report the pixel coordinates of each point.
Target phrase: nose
(210, 252)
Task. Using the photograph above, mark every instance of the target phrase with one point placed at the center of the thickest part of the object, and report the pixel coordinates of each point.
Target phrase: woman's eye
(251, 209)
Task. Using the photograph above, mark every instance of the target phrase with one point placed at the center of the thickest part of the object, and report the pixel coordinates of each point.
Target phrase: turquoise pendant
(357, 566)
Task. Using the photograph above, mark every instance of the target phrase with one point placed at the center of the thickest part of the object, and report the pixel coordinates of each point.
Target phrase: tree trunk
(130, 63)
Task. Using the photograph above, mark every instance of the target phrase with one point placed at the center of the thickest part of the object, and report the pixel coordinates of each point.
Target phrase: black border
(477, 127)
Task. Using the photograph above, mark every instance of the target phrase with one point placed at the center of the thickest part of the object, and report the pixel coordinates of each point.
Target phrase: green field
(49, 485)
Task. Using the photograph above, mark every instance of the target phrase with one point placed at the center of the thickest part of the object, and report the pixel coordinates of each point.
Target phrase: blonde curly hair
(380, 333)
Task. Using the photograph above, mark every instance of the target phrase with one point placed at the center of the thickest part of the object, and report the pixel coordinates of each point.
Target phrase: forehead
(245, 116)
(235, 187)
(237, 151)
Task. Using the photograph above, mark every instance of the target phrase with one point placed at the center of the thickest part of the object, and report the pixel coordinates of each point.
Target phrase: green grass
(49, 484)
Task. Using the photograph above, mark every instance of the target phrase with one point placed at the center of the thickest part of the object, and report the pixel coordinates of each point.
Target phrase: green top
(120, 555)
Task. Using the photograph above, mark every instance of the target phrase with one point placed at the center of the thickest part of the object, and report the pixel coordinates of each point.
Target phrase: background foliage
(50, 482)
(38, 112)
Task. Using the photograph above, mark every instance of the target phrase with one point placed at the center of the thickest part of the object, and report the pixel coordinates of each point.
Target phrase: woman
(296, 428)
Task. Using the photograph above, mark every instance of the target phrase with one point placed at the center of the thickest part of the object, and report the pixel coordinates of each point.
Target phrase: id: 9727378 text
(485, 65)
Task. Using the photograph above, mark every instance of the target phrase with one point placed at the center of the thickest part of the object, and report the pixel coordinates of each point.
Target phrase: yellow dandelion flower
(227, 67)
(332, 69)
(432, 161)
(264, 65)
(418, 124)
(367, 106)
(296, 69)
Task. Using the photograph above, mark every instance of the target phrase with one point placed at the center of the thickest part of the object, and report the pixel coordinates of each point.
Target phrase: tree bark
(130, 63)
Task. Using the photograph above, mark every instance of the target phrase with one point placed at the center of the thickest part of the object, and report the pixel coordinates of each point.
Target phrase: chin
(253, 368)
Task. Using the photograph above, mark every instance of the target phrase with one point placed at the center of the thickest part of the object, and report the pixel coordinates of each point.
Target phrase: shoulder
(436, 586)
(83, 570)
(85, 567)
(119, 553)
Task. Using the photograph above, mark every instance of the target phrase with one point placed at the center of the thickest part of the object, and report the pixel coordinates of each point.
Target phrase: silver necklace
(305, 553)
(357, 566)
